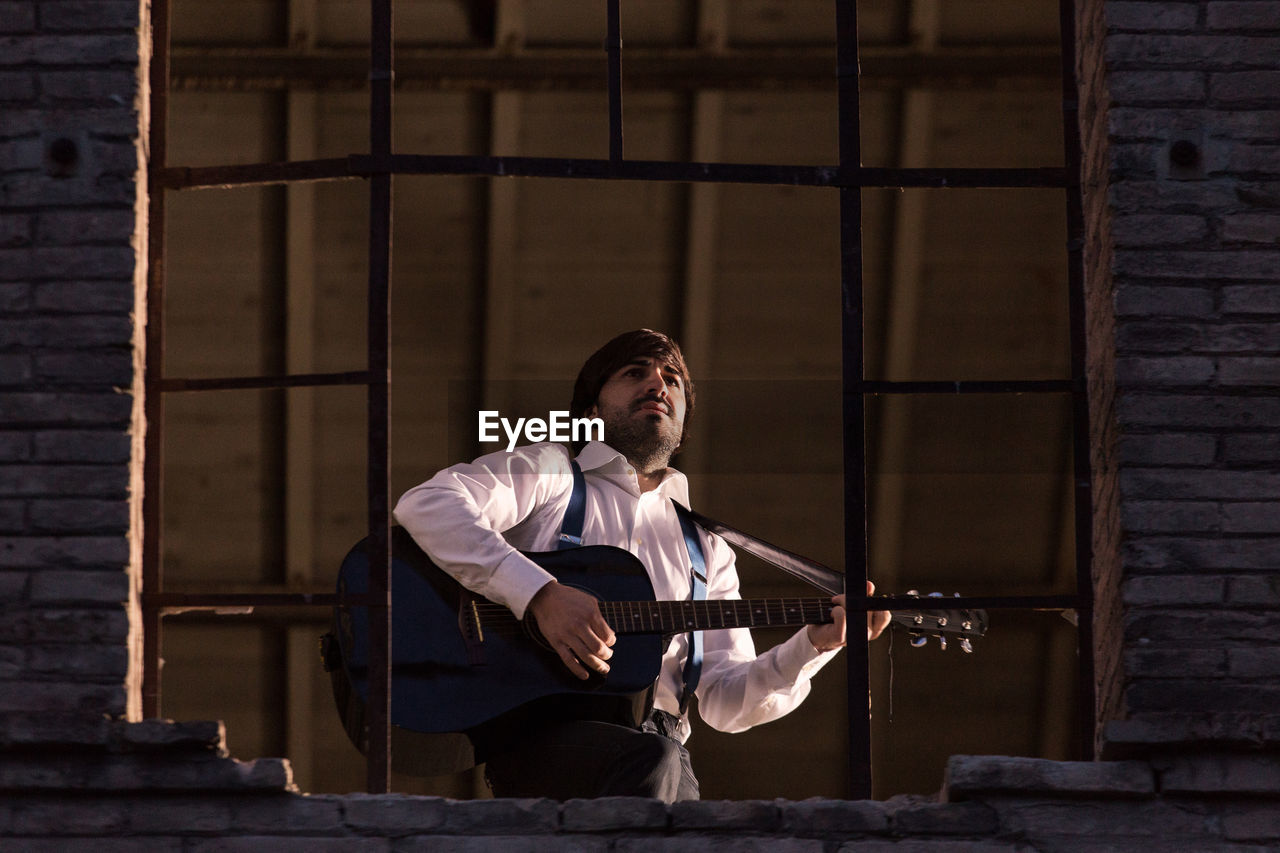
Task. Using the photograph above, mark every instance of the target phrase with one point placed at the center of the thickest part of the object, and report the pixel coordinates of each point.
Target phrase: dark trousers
(584, 758)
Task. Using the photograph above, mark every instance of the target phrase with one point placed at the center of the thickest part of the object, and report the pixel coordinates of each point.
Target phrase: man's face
(642, 405)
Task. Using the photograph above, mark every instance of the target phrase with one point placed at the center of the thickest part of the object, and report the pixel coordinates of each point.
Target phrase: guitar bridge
(470, 628)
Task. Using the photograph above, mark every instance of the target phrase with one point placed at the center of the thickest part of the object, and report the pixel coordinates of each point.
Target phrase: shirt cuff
(516, 581)
(799, 660)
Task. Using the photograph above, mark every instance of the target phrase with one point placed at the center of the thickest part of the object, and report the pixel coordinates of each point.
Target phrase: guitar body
(464, 672)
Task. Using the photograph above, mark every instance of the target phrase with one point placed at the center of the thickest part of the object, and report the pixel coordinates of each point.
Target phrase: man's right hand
(570, 621)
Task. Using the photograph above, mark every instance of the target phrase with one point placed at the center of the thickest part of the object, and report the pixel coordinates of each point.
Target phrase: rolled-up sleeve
(459, 515)
(738, 688)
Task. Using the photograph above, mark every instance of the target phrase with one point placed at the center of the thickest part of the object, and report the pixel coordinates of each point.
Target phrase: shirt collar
(598, 456)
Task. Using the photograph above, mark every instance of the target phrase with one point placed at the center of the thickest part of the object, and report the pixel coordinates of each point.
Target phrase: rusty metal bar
(365, 165)
(974, 386)
(854, 407)
(378, 752)
(613, 46)
(533, 68)
(297, 380)
(1083, 487)
(153, 402)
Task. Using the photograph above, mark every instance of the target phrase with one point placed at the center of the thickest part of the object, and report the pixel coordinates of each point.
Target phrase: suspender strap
(575, 514)
(698, 584)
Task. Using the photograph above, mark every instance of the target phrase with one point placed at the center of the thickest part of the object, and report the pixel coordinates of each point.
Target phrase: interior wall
(502, 287)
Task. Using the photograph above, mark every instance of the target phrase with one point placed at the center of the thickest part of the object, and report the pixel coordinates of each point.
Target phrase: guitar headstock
(940, 623)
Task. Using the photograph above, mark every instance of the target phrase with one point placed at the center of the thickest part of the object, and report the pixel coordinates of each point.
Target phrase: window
(880, 256)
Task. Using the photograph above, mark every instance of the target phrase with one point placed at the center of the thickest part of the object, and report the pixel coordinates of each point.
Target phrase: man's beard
(647, 444)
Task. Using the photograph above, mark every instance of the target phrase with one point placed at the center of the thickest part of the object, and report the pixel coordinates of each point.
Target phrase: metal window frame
(380, 164)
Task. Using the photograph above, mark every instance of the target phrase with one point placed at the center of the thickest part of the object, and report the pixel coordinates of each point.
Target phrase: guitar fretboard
(672, 617)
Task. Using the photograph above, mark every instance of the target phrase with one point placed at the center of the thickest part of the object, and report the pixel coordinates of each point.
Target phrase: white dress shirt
(473, 519)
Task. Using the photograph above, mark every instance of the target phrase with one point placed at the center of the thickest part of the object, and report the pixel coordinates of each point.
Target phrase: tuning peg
(942, 642)
(919, 641)
(966, 646)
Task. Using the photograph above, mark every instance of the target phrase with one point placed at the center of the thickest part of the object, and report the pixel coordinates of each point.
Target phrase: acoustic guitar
(463, 667)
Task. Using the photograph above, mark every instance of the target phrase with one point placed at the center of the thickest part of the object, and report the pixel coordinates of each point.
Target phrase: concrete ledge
(968, 776)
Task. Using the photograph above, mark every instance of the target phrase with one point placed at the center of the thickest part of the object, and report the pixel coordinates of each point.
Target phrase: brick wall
(71, 104)
(1181, 131)
(1183, 135)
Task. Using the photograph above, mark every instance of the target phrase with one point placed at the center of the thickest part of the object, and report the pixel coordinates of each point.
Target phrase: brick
(1251, 822)
(1149, 302)
(1159, 86)
(1175, 663)
(1145, 229)
(1137, 822)
(970, 775)
(86, 297)
(94, 845)
(1176, 590)
(941, 846)
(36, 552)
(1263, 372)
(1196, 412)
(78, 626)
(1238, 774)
(1243, 449)
(106, 446)
(63, 587)
(1255, 517)
(824, 817)
(1171, 516)
(1244, 264)
(66, 408)
(1254, 590)
(1183, 552)
(1201, 694)
(1174, 626)
(943, 819)
(166, 735)
(118, 773)
(112, 366)
(1169, 371)
(1167, 449)
(69, 49)
(393, 814)
(86, 331)
(1192, 484)
(614, 813)
(17, 16)
(15, 369)
(1240, 88)
(75, 227)
(1251, 228)
(79, 516)
(495, 817)
(314, 815)
(17, 86)
(1173, 196)
(1255, 662)
(1199, 728)
(1158, 337)
(13, 585)
(1243, 15)
(72, 481)
(68, 262)
(1147, 17)
(45, 695)
(517, 843)
(103, 662)
(286, 844)
(16, 230)
(89, 15)
(178, 814)
(1188, 51)
(58, 816)
(762, 815)
(1251, 299)
(13, 516)
(15, 296)
(35, 189)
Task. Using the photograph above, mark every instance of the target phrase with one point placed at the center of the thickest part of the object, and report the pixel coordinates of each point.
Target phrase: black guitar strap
(812, 573)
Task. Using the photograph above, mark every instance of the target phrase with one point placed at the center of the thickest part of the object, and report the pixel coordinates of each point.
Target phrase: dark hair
(616, 354)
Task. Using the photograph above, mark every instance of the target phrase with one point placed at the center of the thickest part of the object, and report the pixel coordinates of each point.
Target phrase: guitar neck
(674, 617)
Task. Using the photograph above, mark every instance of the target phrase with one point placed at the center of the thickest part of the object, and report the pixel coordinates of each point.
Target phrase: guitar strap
(698, 592)
(575, 514)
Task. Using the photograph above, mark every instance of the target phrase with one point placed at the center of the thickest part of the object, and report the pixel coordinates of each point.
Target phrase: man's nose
(656, 383)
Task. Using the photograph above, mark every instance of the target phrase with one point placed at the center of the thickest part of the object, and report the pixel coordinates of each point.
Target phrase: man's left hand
(832, 634)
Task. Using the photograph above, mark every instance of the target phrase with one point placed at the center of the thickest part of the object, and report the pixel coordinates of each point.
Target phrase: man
(473, 520)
